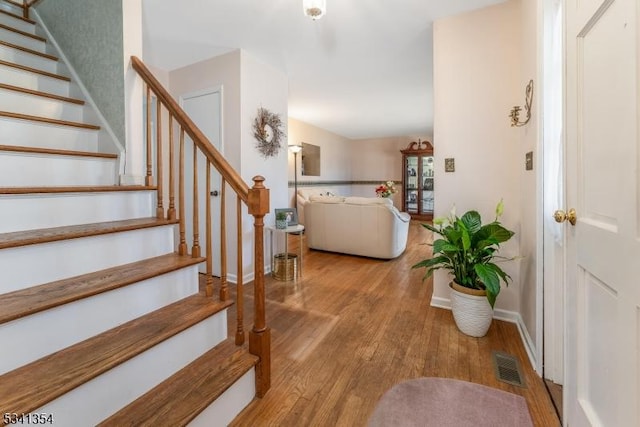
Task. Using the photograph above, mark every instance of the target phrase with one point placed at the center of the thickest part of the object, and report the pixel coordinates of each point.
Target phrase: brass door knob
(561, 216)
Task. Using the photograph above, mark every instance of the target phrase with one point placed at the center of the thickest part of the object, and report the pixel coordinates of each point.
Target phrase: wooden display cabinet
(417, 180)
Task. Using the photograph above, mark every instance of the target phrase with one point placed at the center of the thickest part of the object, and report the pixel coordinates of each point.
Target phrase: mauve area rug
(444, 402)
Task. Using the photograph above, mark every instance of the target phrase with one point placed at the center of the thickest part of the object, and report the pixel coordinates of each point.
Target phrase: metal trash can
(285, 266)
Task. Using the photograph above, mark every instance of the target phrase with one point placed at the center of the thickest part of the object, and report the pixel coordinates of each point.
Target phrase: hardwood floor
(353, 327)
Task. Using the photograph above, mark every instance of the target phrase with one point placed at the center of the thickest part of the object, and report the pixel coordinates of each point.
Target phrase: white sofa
(370, 227)
(302, 198)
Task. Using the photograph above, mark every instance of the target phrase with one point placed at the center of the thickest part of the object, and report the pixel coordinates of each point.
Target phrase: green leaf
(466, 239)
(500, 272)
(491, 297)
(431, 262)
(490, 279)
(472, 221)
(493, 233)
(430, 228)
(442, 245)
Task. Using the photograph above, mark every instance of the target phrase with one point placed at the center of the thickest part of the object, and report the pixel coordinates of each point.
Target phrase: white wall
(247, 84)
(335, 156)
(350, 160)
(262, 86)
(477, 80)
(379, 160)
(133, 93)
(530, 181)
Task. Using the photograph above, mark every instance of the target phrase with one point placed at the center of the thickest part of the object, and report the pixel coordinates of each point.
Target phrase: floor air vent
(507, 369)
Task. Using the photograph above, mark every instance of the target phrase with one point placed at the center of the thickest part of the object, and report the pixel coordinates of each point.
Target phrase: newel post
(260, 335)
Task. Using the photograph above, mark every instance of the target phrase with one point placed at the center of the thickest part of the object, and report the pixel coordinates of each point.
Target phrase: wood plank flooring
(353, 327)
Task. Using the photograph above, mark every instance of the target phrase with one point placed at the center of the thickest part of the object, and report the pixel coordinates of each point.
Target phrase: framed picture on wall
(291, 214)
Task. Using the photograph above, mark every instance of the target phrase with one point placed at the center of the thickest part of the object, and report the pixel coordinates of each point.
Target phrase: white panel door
(205, 109)
(602, 369)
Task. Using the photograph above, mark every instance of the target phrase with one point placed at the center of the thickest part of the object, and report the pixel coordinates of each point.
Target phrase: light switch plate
(528, 161)
(450, 165)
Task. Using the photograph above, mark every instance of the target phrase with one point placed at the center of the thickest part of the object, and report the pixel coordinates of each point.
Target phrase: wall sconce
(515, 111)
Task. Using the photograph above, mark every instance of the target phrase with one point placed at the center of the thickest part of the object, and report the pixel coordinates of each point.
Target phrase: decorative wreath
(267, 129)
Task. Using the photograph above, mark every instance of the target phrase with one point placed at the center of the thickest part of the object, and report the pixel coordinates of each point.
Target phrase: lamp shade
(295, 148)
(315, 9)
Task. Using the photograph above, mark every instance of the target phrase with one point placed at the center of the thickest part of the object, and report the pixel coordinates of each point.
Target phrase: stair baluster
(224, 288)
(159, 162)
(257, 200)
(182, 247)
(209, 237)
(195, 250)
(149, 178)
(240, 280)
(171, 213)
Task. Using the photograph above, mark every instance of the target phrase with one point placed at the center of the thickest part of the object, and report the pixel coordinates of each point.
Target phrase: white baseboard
(233, 278)
(507, 316)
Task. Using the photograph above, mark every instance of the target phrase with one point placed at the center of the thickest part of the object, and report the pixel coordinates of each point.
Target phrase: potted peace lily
(469, 251)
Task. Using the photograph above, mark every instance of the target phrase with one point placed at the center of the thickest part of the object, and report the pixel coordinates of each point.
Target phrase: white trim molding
(507, 316)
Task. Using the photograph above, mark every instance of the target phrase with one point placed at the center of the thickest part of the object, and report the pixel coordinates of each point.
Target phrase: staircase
(102, 319)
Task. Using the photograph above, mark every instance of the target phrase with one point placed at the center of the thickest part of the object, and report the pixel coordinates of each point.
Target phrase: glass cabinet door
(412, 173)
(426, 198)
(418, 180)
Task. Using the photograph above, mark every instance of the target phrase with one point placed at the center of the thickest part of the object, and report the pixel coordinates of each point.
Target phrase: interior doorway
(204, 107)
(554, 238)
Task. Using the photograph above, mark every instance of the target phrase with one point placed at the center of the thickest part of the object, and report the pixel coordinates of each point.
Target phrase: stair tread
(20, 116)
(55, 151)
(25, 302)
(23, 33)
(13, 15)
(74, 189)
(34, 70)
(198, 385)
(40, 93)
(46, 235)
(29, 387)
(27, 50)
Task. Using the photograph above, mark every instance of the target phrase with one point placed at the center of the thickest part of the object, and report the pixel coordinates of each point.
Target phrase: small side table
(297, 229)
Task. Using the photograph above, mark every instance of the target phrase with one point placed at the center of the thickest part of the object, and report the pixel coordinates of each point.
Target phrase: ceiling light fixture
(314, 9)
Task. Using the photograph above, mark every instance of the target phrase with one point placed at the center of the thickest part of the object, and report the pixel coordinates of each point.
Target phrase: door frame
(181, 100)
(552, 268)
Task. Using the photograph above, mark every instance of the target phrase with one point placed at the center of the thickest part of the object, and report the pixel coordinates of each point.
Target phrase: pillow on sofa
(307, 193)
(369, 201)
(326, 199)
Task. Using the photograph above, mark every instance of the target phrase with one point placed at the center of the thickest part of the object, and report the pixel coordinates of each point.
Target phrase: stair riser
(34, 81)
(10, 8)
(36, 211)
(35, 134)
(33, 105)
(31, 265)
(226, 407)
(29, 170)
(22, 40)
(104, 395)
(18, 56)
(55, 329)
(18, 24)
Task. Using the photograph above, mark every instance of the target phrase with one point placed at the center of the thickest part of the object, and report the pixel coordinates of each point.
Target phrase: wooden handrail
(219, 162)
(256, 198)
(25, 5)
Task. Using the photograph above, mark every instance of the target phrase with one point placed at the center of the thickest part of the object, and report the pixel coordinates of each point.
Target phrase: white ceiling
(362, 71)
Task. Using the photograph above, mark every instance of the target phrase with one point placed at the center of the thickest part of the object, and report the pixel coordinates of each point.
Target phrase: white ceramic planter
(471, 310)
